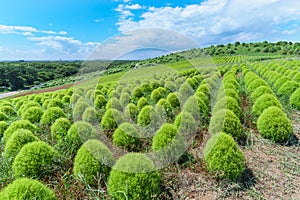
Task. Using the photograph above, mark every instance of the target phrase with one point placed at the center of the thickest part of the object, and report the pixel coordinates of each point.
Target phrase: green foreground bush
(21, 124)
(294, 100)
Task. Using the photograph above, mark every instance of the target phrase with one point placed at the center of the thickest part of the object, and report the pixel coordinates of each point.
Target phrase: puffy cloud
(220, 21)
(133, 7)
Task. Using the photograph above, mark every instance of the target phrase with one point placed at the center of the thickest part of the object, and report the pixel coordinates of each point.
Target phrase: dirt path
(8, 94)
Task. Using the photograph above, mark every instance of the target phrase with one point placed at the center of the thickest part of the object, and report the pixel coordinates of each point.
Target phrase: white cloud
(133, 7)
(26, 30)
(220, 21)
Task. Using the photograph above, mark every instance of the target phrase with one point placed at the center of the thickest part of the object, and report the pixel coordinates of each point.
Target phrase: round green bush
(258, 92)
(147, 116)
(79, 133)
(232, 82)
(124, 99)
(134, 176)
(223, 157)
(17, 140)
(74, 98)
(173, 98)
(111, 119)
(281, 81)
(249, 77)
(164, 109)
(142, 102)
(52, 114)
(92, 160)
(297, 77)
(33, 114)
(21, 124)
(3, 116)
(156, 95)
(171, 86)
(255, 84)
(56, 103)
(79, 109)
(45, 103)
(127, 137)
(229, 93)
(164, 136)
(115, 104)
(66, 99)
(273, 124)
(35, 160)
(186, 91)
(90, 115)
(3, 126)
(131, 112)
(203, 97)
(294, 100)
(225, 121)
(26, 106)
(186, 124)
(25, 189)
(60, 128)
(230, 104)
(8, 110)
(264, 102)
(100, 102)
(146, 88)
(288, 88)
(196, 107)
(137, 93)
(204, 88)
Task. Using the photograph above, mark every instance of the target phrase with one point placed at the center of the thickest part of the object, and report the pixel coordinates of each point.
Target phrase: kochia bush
(111, 119)
(51, 115)
(21, 124)
(164, 109)
(134, 176)
(173, 98)
(147, 116)
(258, 92)
(33, 114)
(273, 124)
(225, 121)
(90, 115)
(60, 128)
(93, 159)
(264, 102)
(294, 100)
(288, 88)
(230, 104)
(36, 159)
(131, 112)
(25, 188)
(3, 116)
(3, 126)
(223, 157)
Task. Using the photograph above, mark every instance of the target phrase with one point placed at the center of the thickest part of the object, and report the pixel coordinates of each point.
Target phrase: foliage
(164, 109)
(147, 116)
(288, 88)
(93, 159)
(134, 177)
(261, 90)
(3, 116)
(225, 121)
(274, 125)
(223, 158)
(127, 137)
(264, 102)
(230, 104)
(36, 159)
(186, 124)
(131, 112)
(142, 102)
(100, 102)
(60, 128)
(111, 119)
(173, 98)
(90, 115)
(294, 100)
(51, 115)
(21, 124)
(3, 126)
(33, 114)
(17, 140)
(25, 189)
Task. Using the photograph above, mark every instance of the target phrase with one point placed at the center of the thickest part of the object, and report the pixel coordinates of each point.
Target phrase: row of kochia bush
(272, 122)
(31, 157)
(284, 81)
(222, 154)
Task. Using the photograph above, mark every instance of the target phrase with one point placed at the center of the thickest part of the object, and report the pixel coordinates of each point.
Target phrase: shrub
(36, 159)
(127, 137)
(288, 88)
(93, 159)
(33, 114)
(115, 104)
(26, 106)
(156, 95)
(225, 121)
(79, 109)
(204, 88)
(230, 104)
(186, 91)
(281, 81)
(60, 128)
(146, 88)
(51, 115)
(111, 119)
(258, 92)
(171, 86)
(90, 115)
(17, 140)
(3, 116)
(100, 102)
(264, 102)
(131, 112)
(3, 126)
(164, 109)
(223, 158)
(56, 103)
(173, 98)
(142, 102)
(8, 110)
(186, 124)
(66, 99)
(273, 124)
(25, 188)
(203, 97)
(21, 124)
(137, 93)
(249, 77)
(196, 107)
(255, 84)
(124, 99)
(294, 100)
(79, 133)
(134, 176)
(147, 116)
(45, 103)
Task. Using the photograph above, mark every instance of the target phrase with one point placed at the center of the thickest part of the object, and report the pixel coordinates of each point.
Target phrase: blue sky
(52, 29)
